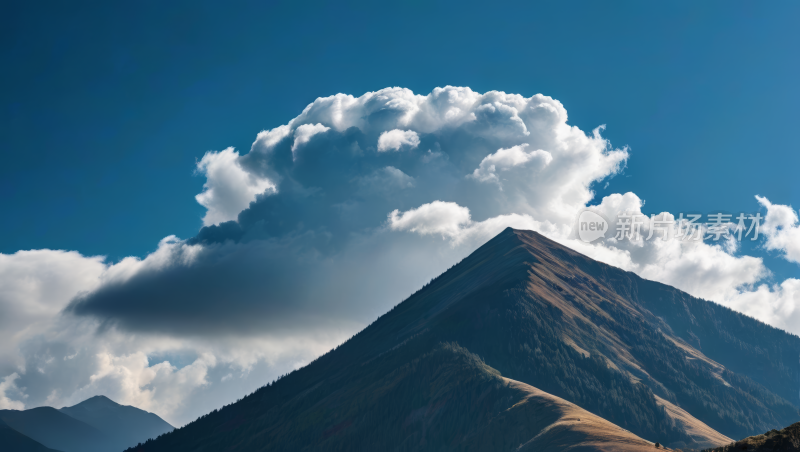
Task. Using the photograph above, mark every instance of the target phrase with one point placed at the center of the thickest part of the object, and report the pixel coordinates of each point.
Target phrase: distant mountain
(95, 425)
(55, 429)
(658, 363)
(786, 440)
(126, 425)
(14, 441)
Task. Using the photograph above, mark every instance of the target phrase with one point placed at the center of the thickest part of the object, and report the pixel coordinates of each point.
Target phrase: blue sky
(107, 110)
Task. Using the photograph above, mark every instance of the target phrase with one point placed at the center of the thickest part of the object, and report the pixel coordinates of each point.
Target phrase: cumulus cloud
(444, 218)
(395, 139)
(782, 229)
(305, 132)
(160, 387)
(229, 189)
(335, 199)
(505, 159)
(330, 201)
(316, 231)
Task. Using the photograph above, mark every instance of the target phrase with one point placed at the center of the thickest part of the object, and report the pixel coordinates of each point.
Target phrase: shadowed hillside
(55, 429)
(786, 440)
(663, 365)
(12, 440)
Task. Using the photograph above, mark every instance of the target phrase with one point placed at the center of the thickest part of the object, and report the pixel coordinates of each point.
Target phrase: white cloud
(393, 140)
(440, 218)
(267, 139)
(6, 385)
(505, 159)
(777, 305)
(494, 121)
(501, 119)
(229, 188)
(453, 222)
(35, 286)
(160, 388)
(305, 132)
(782, 229)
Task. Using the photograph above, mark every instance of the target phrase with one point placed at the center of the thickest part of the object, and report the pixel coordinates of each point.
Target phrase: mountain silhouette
(449, 368)
(126, 425)
(12, 440)
(94, 425)
(55, 429)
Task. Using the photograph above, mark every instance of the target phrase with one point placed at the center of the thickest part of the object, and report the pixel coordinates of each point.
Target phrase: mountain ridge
(127, 425)
(97, 424)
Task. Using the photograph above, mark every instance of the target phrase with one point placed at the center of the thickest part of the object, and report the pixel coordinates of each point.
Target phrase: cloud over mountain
(331, 219)
(271, 268)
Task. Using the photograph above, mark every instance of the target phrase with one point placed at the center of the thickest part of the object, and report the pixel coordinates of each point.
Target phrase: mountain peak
(97, 401)
(124, 425)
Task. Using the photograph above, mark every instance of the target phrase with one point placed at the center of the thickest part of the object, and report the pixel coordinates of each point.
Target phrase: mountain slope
(427, 403)
(55, 429)
(12, 440)
(700, 434)
(604, 339)
(786, 440)
(125, 425)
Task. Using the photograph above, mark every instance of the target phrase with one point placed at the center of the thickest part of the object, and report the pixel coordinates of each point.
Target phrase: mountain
(427, 402)
(126, 425)
(94, 425)
(55, 429)
(642, 357)
(15, 441)
(786, 440)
